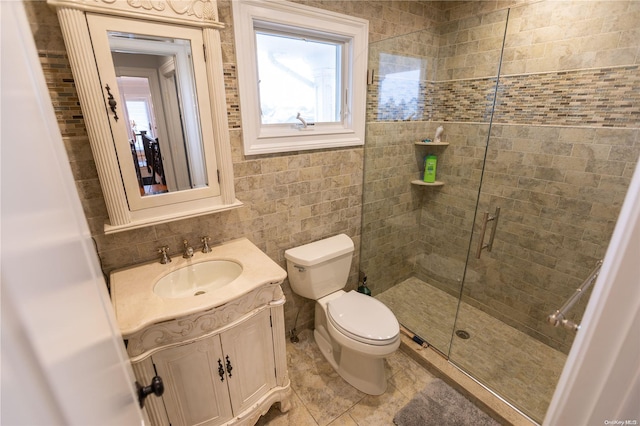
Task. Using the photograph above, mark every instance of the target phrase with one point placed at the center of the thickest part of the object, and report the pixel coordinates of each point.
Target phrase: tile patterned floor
(423, 309)
(517, 367)
(321, 397)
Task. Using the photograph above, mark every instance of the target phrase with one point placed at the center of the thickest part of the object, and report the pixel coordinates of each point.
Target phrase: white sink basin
(197, 279)
(152, 292)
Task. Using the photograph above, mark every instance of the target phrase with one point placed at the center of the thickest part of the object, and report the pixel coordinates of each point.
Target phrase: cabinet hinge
(218, 173)
(270, 322)
(204, 49)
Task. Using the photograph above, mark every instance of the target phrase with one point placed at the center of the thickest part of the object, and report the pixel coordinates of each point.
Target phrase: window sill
(307, 141)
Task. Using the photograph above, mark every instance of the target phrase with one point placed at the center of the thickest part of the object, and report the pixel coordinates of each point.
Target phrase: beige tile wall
(542, 36)
(470, 47)
(391, 216)
(447, 214)
(386, 18)
(560, 186)
(289, 199)
(566, 35)
(560, 190)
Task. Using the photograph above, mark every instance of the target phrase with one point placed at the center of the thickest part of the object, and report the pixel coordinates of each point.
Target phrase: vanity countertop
(137, 306)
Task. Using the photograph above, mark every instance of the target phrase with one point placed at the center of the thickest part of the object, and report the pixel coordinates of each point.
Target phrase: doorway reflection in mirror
(156, 84)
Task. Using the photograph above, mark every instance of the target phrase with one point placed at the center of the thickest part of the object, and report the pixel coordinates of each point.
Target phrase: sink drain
(462, 334)
(198, 293)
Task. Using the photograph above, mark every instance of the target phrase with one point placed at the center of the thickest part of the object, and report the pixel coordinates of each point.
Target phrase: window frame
(300, 20)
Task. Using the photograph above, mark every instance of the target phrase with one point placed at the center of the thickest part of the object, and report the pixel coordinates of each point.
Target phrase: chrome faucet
(188, 250)
(164, 259)
(205, 244)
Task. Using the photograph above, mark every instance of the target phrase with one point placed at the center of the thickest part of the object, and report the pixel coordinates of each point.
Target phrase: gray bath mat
(439, 404)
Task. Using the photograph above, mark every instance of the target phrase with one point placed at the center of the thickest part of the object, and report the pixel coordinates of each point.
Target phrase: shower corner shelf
(422, 183)
(432, 143)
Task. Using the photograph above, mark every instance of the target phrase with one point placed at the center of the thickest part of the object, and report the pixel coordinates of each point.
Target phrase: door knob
(156, 387)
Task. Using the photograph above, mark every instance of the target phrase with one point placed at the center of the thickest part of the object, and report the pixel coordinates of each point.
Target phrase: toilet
(354, 332)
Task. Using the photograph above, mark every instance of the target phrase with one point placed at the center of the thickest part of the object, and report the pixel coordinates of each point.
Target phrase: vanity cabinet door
(249, 348)
(209, 381)
(194, 392)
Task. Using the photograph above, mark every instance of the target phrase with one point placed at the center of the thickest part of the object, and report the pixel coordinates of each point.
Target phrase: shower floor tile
(423, 309)
(517, 367)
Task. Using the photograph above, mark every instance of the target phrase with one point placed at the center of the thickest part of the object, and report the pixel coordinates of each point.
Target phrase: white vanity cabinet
(210, 379)
(219, 367)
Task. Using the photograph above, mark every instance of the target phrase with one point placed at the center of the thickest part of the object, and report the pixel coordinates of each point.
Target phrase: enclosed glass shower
(540, 105)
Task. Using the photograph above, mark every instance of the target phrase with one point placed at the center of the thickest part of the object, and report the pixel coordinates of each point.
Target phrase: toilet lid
(363, 318)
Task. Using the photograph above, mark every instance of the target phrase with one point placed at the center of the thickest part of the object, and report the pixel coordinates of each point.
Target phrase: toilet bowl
(354, 332)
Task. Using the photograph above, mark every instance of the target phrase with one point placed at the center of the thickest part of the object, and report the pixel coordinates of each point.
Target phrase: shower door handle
(485, 220)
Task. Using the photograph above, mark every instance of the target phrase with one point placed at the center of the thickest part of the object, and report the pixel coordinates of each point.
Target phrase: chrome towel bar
(558, 317)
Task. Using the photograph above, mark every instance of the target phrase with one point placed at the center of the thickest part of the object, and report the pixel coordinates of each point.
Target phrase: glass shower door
(415, 237)
(556, 173)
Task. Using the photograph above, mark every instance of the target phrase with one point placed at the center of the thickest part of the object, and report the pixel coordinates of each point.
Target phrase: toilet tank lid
(320, 251)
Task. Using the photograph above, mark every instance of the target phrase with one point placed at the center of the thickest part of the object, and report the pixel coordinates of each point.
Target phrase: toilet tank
(320, 268)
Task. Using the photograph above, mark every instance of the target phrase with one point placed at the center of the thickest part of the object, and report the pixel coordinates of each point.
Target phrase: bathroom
(295, 198)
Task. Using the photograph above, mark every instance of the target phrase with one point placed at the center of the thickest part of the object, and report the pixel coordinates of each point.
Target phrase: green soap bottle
(430, 164)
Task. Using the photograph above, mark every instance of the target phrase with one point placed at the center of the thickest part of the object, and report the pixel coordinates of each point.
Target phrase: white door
(63, 358)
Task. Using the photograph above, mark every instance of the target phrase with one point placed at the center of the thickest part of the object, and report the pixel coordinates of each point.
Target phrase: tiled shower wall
(560, 190)
(563, 145)
(289, 199)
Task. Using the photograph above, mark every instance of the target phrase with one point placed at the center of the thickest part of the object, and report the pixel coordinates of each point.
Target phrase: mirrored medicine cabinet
(150, 83)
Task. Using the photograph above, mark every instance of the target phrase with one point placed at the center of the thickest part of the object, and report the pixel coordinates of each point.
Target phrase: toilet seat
(363, 319)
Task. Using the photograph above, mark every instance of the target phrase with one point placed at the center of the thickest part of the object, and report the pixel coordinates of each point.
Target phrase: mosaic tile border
(606, 97)
(603, 97)
(62, 89)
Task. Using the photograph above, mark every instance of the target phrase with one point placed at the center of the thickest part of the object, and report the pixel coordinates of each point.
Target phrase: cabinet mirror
(152, 93)
(157, 100)
(159, 104)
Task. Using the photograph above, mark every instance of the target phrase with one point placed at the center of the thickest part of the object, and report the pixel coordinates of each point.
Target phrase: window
(307, 71)
(302, 76)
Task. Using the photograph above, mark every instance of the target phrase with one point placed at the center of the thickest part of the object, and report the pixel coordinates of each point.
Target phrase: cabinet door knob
(156, 387)
(229, 367)
(220, 370)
